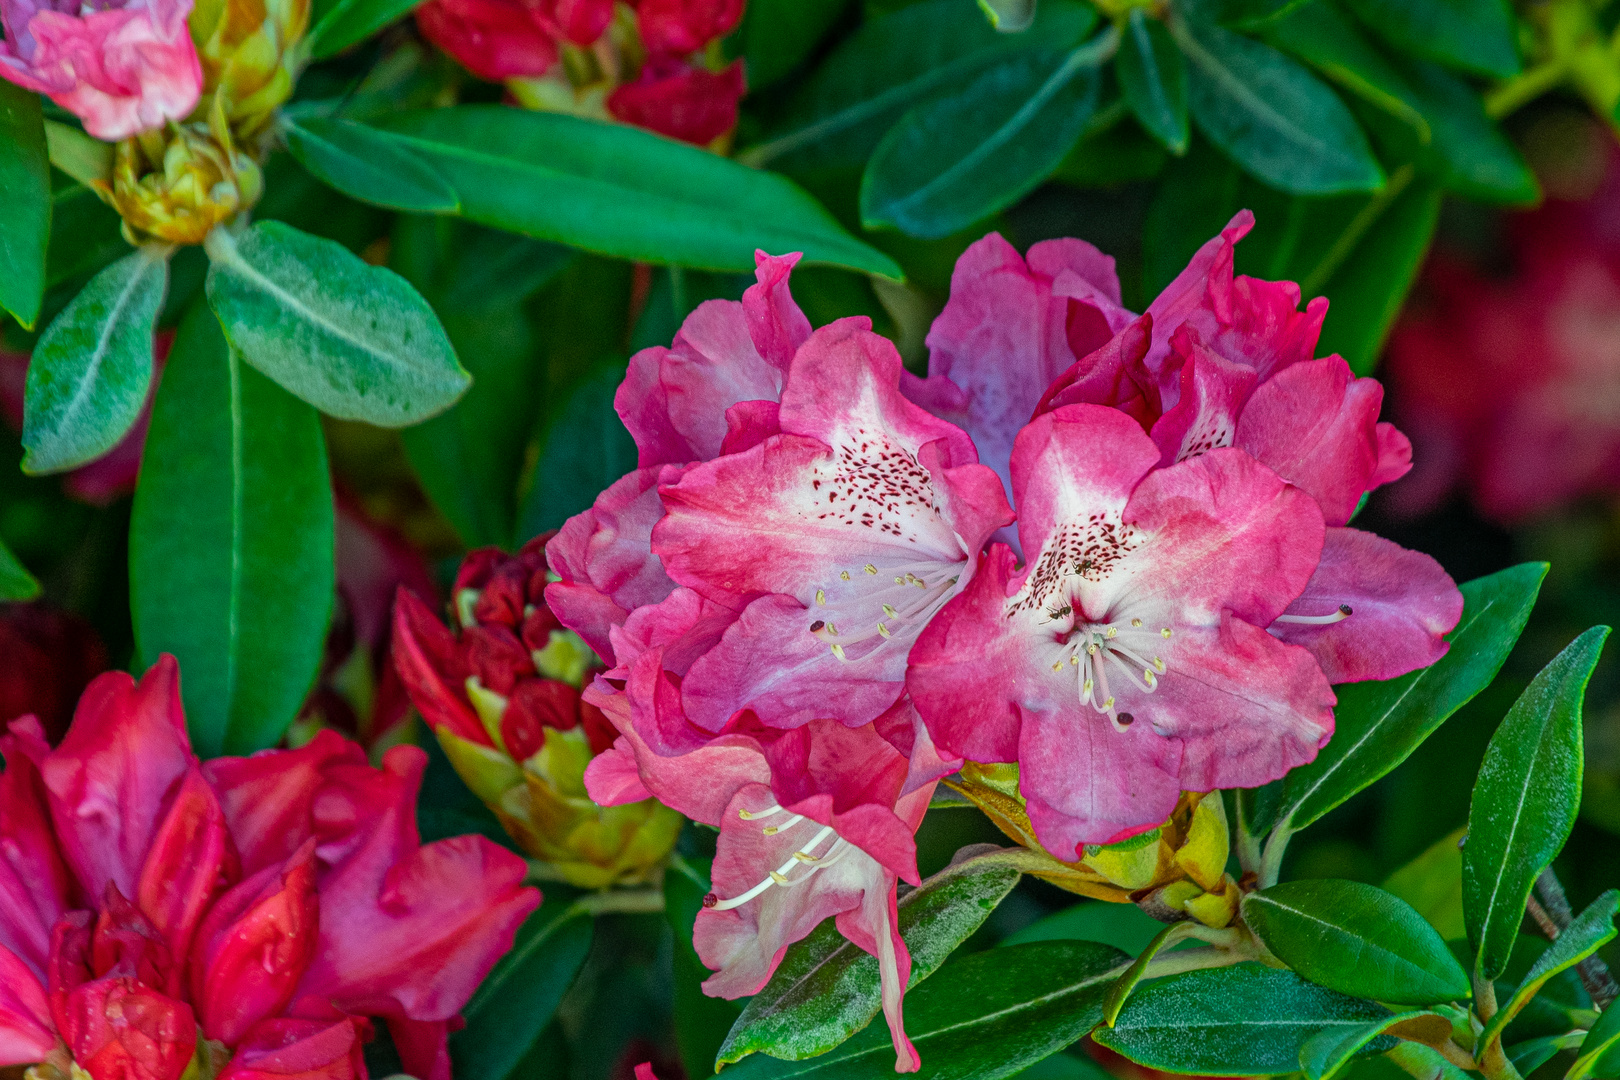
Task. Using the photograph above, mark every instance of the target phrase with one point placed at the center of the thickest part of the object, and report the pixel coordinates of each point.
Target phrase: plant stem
(1524, 88)
(1193, 960)
(635, 901)
(1554, 916)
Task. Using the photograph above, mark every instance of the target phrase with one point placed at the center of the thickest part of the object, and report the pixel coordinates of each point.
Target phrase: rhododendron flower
(251, 914)
(502, 696)
(842, 535)
(121, 67)
(1128, 660)
(681, 100)
(814, 822)
(503, 39)
(1509, 384)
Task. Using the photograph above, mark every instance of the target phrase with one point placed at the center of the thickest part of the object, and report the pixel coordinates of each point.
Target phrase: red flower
(257, 913)
(688, 103)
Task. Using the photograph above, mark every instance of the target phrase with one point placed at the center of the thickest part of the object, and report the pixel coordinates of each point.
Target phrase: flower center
(906, 594)
(1091, 649)
(805, 856)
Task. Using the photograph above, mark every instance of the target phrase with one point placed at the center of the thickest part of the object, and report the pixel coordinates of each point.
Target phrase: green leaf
(1356, 939)
(16, 583)
(894, 63)
(516, 1001)
(83, 157)
(1246, 1020)
(25, 212)
(85, 235)
(620, 191)
(701, 1021)
(355, 341)
(1525, 800)
(1425, 1062)
(1532, 1054)
(1432, 884)
(1599, 1053)
(826, 989)
(231, 541)
(1472, 35)
(349, 22)
(585, 448)
(1272, 116)
(1378, 724)
(957, 160)
(1469, 154)
(1326, 1053)
(1124, 926)
(1009, 16)
(988, 1015)
(1153, 77)
(1121, 991)
(779, 35)
(92, 367)
(368, 165)
(1588, 932)
(1322, 35)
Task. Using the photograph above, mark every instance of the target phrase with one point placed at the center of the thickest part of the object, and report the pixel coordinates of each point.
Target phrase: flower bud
(1173, 872)
(501, 692)
(175, 186)
(248, 54)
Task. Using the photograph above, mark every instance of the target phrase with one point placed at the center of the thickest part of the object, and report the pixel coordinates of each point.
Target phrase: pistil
(804, 855)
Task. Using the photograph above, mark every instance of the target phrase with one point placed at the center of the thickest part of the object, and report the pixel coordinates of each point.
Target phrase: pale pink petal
(26, 1033)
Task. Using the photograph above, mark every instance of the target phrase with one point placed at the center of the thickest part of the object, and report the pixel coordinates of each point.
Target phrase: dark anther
(709, 900)
(817, 625)
(1344, 609)
(1125, 719)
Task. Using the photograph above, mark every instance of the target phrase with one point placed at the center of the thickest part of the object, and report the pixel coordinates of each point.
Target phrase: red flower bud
(677, 27)
(537, 704)
(683, 102)
(117, 1029)
(503, 598)
(290, 1049)
(430, 663)
(538, 626)
(125, 944)
(189, 864)
(497, 657)
(478, 567)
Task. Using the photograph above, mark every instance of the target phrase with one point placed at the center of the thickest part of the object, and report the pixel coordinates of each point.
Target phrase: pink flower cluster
(122, 67)
(810, 621)
(673, 93)
(254, 915)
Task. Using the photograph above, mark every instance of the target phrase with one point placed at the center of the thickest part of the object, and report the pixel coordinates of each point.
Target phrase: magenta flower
(814, 822)
(121, 67)
(837, 540)
(256, 913)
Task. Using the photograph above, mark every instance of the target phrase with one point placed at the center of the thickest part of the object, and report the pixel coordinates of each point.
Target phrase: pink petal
(1394, 456)
(36, 889)
(118, 1029)
(424, 1046)
(875, 928)
(1079, 459)
(1111, 375)
(190, 862)
(1212, 394)
(1401, 603)
(431, 664)
(749, 423)
(286, 1048)
(902, 726)
(26, 1034)
(1186, 294)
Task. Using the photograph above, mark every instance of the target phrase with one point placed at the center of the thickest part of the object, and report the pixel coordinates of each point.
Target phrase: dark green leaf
(368, 165)
(1273, 116)
(701, 1021)
(957, 160)
(1356, 939)
(349, 22)
(584, 449)
(1119, 154)
(515, 1003)
(826, 989)
(1325, 1053)
(92, 367)
(1322, 35)
(986, 1016)
(1525, 800)
(620, 191)
(1588, 932)
(231, 542)
(1124, 926)
(1415, 1059)
(1473, 35)
(25, 212)
(1532, 1054)
(1377, 724)
(1432, 884)
(16, 583)
(1153, 77)
(85, 235)
(1121, 991)
(355, 341)
(779, 35)
(1246, 1020)
(896, 62)
(1471, 155)
(1599, 1054)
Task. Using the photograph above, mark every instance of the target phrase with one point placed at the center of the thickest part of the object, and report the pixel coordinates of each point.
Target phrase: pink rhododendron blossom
(1128, 660)
(275, 905)
(814, 822)
(836, 539)
(121, 67)
(1510, 385)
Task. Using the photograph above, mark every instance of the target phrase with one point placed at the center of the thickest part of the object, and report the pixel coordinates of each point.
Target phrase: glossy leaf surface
(1472, 35)
(1588, 932)
(25, 212)
(366, 164)
(1153, 77)
(1326, 1053)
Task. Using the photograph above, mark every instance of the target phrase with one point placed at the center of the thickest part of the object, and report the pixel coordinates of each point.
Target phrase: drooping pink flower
(121, 67)
(1510, 386)
(274, 904)
(814, 822)
(836, 539)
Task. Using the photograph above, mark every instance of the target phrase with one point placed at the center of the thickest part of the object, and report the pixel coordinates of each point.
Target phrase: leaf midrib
(1340, 931)
(109, 326)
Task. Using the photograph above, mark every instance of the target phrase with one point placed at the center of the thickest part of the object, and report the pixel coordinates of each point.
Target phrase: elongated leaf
(620, 191)
(701, 1021)
(1470, 154)
(231, 542)
(516, 1001)
(92, 367)
(1356, 939)
(1153, 77)
(1246, 1020)
(1599, 1053)
(894, 63)
(1377, 724)
(85, 235)
(1425, 1061)
(826, 989)
(779, 35)
(349, 22)
(1588, 932)
(1124, 926)
(954, 161)
(583, 450)
(1525, 800)
(1322, 35)
(25, 212)
(16, 583)
(368, 165)
(985, 1016)
(1327, 1052)
(1121, 991)
(1273, 116)
(355, 341)
(1473, 35)
(1432, 884)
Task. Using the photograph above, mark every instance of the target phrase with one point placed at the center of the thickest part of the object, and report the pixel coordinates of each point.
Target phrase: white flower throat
(804, 859)
(894, 601)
